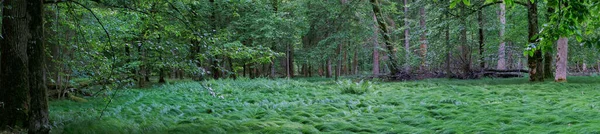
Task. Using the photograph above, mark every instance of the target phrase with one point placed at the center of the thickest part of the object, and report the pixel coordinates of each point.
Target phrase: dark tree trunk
(291, 61)
(481, 39)
(345, 66)
(534, 62)
(231, 69)
(465, 48)
(329, 70)
(14, 78)
(548, 73)
(38, 108)
(161, 76)
(309, 70)
(338, 66)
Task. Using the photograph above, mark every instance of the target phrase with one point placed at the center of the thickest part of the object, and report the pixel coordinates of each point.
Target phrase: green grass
(325, 106)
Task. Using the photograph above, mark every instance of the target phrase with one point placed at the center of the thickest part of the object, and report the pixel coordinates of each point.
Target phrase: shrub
(349, 87)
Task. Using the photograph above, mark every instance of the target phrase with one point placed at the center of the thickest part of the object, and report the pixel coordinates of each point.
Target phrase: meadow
(316, 105)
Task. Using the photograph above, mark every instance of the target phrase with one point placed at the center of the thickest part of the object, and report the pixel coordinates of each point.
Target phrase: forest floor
(315, 105)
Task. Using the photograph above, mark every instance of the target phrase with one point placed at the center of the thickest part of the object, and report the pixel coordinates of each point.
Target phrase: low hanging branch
(109, 43)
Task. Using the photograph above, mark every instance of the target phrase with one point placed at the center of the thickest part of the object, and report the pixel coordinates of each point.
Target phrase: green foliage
(300, 106)
(349, 87)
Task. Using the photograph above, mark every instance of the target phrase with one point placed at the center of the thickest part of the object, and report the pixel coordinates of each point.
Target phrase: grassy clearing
(324, 106)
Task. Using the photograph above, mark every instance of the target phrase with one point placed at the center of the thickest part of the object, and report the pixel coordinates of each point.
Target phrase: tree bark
(354, 63)
(561, 59)
(375, 47)
(548, 73)
(406, 39)
(272, 68)
(423, 46)
(345, 63)
(502, 47)
(448, 47)
(534, 62)
(38, 108)
(329, 69)
(14, 74)
(465, 49)
(393, 59)
(481, 39)
(338, 66)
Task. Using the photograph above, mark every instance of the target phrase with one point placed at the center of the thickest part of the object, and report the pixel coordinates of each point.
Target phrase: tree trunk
(142, 71)
(548, 73)
(481, 39)
(502, 47)
(354, 63)
(406, 39)
(561, 59)
(345, 67)
(161, 75)
(548, 65)
(329, 70)
(338, 66)
(423, 46)
(448, 47)
(14, 78)
(309, 70)
(393, 59)
(375, 47)
(38, 108)
(534, 62)
(465, 50)
(272, 68)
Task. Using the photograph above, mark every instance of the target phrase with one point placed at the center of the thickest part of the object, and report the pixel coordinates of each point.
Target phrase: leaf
(453, 4)
(488, 1)
(467, 2)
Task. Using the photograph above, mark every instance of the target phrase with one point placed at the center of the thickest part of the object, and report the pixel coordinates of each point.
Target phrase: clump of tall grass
(349, 87)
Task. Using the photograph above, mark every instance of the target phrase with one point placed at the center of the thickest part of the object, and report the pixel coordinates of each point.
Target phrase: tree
(406, 39)
(423, 47)
(375, 47)
(561, 59)
(391, 51)
(38, 107)
(14, 74)
(502, 47)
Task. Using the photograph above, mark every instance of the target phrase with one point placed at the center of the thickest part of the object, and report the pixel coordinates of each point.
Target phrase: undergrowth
(325, 106)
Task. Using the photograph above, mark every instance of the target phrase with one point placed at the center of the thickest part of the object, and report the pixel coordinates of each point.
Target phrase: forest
(299, 66)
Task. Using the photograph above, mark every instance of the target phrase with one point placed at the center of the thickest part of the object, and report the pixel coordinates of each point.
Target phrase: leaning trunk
(394, 67)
